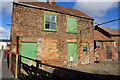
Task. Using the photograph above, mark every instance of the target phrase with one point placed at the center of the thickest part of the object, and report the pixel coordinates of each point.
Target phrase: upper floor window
(49, 21)
(71, 25)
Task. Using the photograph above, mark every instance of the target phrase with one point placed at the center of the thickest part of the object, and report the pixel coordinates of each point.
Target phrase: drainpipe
(17, 44)
(18, 59)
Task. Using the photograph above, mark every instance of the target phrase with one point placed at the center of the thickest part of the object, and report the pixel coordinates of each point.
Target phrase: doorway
(108, 52)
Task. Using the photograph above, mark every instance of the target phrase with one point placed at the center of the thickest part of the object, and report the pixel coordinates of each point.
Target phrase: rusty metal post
(19, 65)
(19, 57)
(37, 64)
(40, 64)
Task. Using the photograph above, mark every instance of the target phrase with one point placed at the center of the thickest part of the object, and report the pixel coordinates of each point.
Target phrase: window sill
(49, 30)
(71, 32)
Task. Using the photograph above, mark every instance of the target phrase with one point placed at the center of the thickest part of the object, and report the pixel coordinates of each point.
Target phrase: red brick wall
(100, 52)
(28, 24)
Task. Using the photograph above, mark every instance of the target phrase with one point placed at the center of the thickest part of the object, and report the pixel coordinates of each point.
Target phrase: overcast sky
(100, 10)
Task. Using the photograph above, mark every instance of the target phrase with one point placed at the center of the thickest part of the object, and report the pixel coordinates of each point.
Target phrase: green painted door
(28, 49)
(71, 51)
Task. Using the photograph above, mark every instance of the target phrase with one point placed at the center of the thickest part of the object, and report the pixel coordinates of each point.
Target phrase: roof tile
(57, 8)
(99, 36)
(112, 31)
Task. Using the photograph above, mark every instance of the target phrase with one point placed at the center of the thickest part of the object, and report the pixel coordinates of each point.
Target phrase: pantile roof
(99, 36)
(112, 31)
(58, 8)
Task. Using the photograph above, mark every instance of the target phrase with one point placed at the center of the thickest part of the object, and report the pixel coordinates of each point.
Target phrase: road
(1, 55)
(5, 74)
(104, 68)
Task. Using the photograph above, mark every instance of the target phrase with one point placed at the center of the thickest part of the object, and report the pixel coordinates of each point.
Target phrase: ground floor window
(84, 49)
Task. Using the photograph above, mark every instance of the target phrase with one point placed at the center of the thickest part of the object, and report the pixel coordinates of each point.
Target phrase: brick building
(52, 34)
(4, 43)
(106, 43)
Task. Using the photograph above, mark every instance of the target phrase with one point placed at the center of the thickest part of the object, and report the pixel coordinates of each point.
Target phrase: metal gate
(108, 52)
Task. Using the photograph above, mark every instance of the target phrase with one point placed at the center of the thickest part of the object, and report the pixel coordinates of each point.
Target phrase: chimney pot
(52, 2)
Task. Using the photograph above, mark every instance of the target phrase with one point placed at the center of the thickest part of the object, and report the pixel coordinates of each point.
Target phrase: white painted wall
(4, 44)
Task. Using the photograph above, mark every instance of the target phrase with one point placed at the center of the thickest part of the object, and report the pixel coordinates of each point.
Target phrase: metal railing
(35, 72)
(59, 73)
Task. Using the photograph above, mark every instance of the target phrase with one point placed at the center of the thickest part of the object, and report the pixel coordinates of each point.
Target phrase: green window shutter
(68, 24)
(71, 25)
(75, 25)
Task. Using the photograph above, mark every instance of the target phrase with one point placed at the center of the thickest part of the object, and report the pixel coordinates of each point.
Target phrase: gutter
(28, 5)
(115, 35)
(105, 40)
(4, 40)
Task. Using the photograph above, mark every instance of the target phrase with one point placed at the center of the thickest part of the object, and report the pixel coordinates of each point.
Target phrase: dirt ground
(103, 68)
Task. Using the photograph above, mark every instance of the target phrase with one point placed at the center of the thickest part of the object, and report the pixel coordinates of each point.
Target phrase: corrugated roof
(99, 36)
(112, 31)
(57, 8)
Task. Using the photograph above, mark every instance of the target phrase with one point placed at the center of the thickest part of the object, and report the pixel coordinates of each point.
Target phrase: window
(84, 49)
(50, 21)
(71, 25)
(98, 44)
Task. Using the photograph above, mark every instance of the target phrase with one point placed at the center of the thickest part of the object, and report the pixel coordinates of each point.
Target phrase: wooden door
(28, 49)
(71, 51)
(108, 52)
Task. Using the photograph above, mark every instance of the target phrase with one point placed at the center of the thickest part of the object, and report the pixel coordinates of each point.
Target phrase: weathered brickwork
(109, 42)
(101, 52)
(28, 23)
(117, 40)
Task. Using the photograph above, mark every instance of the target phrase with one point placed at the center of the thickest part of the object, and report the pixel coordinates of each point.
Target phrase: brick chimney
(52, 2)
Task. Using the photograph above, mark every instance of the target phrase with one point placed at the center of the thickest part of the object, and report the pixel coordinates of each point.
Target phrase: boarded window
(71, 25)
(50, 21)
(98, 44)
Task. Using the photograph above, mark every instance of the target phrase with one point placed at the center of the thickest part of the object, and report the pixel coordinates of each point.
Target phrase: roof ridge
(111, 31)
(109, 28)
